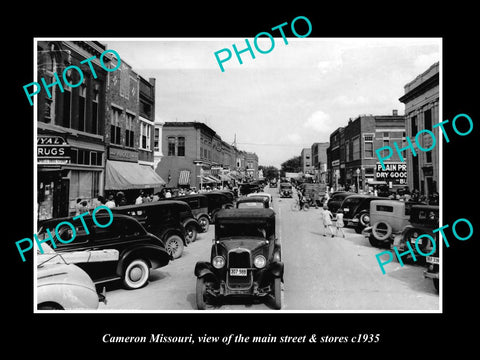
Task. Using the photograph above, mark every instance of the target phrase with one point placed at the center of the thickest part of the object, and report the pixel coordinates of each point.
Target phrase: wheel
(201, 295)
(204, 223)
(190, 234)
(174, 246)
(374, 242)
(381, 230)
(276, 296)
(364, 219)
(136, 274)
(306, 206)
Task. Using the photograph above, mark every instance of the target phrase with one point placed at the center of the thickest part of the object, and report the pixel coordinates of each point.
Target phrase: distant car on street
(356, 210)
(263, 195)
(285, 190)
(336, 199)
(139, 251)
(250, 202)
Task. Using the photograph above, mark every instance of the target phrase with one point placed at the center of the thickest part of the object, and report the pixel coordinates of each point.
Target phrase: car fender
(204, 269)
(193, 222)
(155, 255)
(275, 268)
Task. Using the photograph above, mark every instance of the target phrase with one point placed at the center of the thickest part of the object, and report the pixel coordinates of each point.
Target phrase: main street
(321, 273)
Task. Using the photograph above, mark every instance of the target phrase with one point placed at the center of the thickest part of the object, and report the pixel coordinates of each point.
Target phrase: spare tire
(381, 230)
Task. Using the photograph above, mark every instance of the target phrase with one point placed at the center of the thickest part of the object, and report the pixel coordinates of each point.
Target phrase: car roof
(252, 199)
(180, 197)
(89, 216)
(366, 196)
(255, 213)
(150, 204)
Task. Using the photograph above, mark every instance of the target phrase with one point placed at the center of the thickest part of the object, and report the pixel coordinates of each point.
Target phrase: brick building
(353, 160)
(129, 124)
(194, 155)
(306, 161)
(70, 126)
(421, 101)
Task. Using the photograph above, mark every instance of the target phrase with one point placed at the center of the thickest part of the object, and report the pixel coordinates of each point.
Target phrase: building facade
(70, 126)
(129, 134)
(194, 155)
(353, 160)
(306, 161)
(421, 101)
(319, 161)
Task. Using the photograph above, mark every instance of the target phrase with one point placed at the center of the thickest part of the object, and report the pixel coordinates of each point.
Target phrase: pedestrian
(327, 221)
(81, 207)
(168, 194)
(110, 203)
(339, 222)
(139, 199)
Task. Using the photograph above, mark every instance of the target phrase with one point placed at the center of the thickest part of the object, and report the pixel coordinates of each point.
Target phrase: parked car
(61, 285)
(433, 264)
(171, 220)
(285, 190)
(139, 251)
(388, 218)
(216, 202)
(199, 205)
(356, 210)
(263, 195)
(423, 220)
(336, 199)
(272, 184)
(248, 188)
(65, 287)
(252, 202)
(245, 259)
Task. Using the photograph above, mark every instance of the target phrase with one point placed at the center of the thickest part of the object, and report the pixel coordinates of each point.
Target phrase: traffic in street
(321, 273)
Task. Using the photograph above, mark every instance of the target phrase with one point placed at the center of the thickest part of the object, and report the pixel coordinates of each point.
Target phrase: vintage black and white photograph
(270, 174)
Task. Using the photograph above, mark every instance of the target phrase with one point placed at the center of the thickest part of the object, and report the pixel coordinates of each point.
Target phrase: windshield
(243, 229)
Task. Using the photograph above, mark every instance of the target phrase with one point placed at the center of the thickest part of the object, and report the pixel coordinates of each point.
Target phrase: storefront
(124, 174)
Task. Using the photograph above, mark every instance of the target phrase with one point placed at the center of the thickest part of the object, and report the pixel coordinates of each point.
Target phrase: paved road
(321, 273)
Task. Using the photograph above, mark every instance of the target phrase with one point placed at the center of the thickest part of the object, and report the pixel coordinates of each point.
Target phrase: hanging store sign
(52, 149)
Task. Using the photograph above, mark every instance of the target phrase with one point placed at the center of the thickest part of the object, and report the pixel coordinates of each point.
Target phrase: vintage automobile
(248, 188)
(423, 220)
(356, 210)
(250, 202)
(61, 285)
(388, 218)
(433, 264)
(199, 205)
(272, 184)
(245, 259)
(139, 251)
(336, 199)
(216, 202)
(285, 190)
(168, 219)
(263, 195)
(65, 287)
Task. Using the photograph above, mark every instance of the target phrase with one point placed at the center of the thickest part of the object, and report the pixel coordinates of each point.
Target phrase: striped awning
(215, 179)
(184, 177)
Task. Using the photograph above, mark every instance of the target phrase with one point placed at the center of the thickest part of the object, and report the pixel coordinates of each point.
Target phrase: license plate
(238, 272)
(433, 260)
(346, 209)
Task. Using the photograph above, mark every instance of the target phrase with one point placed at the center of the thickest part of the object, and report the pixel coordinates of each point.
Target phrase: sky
(284, 100)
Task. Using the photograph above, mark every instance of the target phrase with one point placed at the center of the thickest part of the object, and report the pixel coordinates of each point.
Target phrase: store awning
(121, 175)
(207, 180)
(215, 179)
(184, 177)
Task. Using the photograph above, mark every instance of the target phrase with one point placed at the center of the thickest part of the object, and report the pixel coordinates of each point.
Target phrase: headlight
(259, 261)
(218, 262)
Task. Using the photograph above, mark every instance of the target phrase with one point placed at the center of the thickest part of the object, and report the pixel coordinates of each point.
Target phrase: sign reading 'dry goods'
(396, 172)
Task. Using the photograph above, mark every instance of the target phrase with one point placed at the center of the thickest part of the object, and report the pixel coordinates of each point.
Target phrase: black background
(403, 333)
